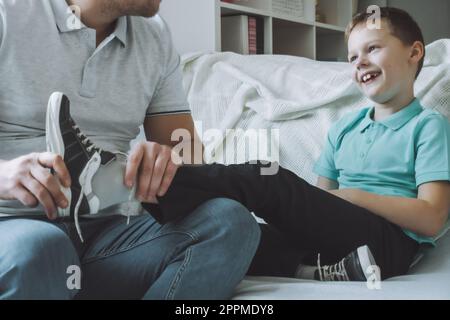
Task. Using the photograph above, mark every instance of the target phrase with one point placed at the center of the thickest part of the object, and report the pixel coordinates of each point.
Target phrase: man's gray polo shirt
(44, 48)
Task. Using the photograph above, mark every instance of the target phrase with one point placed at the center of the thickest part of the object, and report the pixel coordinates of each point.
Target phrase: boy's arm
(425, 215)
(326, 184)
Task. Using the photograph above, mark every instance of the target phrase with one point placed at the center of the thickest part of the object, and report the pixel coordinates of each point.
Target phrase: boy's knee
(36, 257)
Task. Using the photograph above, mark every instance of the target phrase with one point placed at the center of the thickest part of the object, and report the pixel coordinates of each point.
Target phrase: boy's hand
(151, 167)
(29, 180)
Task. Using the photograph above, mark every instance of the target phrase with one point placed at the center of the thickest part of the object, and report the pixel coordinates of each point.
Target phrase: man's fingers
(145, 176)
(62, 172)
(169, 174)
(41, 194)
(25, 197)
(158, 174)
(50, 182)
(133, 163)
(55, 162)
(149, 163)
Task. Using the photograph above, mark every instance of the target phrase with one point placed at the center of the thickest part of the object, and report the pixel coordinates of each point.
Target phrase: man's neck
(94, 15)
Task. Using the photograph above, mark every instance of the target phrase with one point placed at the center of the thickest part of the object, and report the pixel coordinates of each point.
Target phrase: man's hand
(29, 180)
(150, 165)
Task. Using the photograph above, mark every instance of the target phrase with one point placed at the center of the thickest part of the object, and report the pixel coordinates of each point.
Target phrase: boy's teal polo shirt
(391, 157)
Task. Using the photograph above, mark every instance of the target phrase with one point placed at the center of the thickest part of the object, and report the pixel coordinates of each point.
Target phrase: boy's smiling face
(384, 67)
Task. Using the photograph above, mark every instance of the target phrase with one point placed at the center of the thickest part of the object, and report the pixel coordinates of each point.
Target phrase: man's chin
(154, 10)
(152, 13)
(150, 10)
(149, 15)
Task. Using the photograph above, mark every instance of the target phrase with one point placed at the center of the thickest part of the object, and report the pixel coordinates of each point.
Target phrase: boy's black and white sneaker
(356, 266)
(80, 155)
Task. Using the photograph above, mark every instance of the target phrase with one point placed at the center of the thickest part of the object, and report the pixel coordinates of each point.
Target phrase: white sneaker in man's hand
(80, 155)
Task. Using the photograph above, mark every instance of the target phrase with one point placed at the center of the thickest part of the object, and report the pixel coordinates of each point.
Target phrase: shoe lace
(85, 140)
(132, 195)
(335, 272)
(76, 216)
(82, 193)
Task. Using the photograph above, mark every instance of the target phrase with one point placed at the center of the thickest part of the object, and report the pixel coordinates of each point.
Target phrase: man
(119, 69)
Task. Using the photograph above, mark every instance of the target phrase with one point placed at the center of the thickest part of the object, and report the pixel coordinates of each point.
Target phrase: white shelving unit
(196, 26)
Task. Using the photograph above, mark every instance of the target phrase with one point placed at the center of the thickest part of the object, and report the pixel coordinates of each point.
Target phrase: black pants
(303, 218)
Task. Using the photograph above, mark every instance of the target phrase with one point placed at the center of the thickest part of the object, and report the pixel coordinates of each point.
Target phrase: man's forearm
(416, 215)
(190, 151)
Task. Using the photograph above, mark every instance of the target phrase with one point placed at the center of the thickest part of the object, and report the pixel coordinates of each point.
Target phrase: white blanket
(299, 97)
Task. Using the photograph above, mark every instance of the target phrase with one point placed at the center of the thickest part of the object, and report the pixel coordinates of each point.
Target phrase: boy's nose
(361, 63)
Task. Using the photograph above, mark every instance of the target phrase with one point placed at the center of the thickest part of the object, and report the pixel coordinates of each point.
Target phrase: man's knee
(233, 220)
(36, 257)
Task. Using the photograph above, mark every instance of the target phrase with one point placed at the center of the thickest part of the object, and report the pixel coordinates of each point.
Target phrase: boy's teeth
(367, 77)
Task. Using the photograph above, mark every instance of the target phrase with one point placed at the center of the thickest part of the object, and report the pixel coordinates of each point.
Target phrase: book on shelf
(243, 34)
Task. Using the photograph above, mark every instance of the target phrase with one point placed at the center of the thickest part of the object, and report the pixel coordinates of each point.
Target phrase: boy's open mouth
(369, 77)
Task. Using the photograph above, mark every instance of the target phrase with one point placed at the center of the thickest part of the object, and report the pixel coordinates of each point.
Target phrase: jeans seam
(134, 245)
(179, 274)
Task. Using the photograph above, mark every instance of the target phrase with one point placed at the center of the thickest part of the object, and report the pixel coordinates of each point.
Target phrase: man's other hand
(29, 180)
(150, 165)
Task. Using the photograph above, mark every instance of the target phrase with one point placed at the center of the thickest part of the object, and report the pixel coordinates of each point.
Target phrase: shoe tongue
(107, 157)
(354, 268)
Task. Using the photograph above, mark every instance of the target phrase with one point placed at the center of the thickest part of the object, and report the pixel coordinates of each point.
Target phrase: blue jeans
(203, 256)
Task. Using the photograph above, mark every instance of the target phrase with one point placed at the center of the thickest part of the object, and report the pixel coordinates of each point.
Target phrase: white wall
(179, 13)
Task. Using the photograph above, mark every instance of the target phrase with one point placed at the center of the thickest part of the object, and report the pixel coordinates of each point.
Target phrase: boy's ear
(417, 51)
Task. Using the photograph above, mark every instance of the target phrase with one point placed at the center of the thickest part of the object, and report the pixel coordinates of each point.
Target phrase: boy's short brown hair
(402, 26)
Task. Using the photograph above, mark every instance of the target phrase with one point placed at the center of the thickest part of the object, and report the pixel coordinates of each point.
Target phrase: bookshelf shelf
(327, 28)
(293, 19)
(198, 25)
(264, 5)
(232, 9)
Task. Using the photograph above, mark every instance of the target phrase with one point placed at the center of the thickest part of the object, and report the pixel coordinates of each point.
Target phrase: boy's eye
(352, 59)
(371, 48)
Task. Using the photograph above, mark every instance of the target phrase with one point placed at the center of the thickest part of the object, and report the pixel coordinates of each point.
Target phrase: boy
(383, 176)
(401, 168)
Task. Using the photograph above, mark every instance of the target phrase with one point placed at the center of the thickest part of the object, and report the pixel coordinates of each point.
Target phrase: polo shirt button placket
(88, 84)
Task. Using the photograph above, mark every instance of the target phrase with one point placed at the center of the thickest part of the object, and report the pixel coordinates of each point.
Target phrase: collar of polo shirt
(64, 15)
(395, 121)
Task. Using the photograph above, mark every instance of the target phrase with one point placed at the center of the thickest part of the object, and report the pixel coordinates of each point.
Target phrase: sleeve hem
(432, 176)
(169, 112)
(326, 173)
